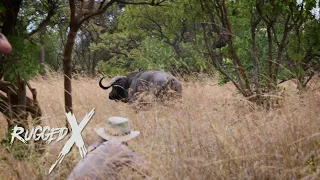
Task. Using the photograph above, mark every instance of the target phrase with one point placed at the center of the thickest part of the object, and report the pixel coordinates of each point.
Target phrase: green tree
(260, 54)
(20, 22)
(174, 26)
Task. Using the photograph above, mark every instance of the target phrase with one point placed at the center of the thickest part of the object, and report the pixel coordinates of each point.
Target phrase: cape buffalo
(125, 88)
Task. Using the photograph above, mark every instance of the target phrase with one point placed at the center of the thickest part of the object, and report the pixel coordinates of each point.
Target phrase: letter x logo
(75, 137)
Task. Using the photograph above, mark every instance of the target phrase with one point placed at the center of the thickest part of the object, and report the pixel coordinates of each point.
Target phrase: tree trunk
(12, 11)
(41, 54)
(67, 66)
(8, 29)
(271, 84)
(94, 64)
(281, 48)
(255, 59)
(215, 60)
(241, 74)
(22, 102)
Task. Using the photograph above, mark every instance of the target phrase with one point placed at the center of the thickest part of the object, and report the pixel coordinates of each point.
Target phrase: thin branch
(206, 7)
(111, 2)
(45, 22)
(6, 83)
(282, 46)
(217, 65)
(308, 80)
(267, 21)
(159, 26)
(91, 5)
(33, 92)
(275, 34)
(101, 4)
(255, 59)
(98, 12)
(152, 3)
(82, 3)
(72, 9)
(240, 72)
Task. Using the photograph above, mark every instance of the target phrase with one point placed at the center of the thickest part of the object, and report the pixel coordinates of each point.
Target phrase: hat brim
(100, 132)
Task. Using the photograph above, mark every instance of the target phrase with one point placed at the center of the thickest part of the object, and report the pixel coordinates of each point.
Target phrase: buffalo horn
(113, 80)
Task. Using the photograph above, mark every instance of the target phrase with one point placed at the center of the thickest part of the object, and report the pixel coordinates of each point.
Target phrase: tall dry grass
(213, 133)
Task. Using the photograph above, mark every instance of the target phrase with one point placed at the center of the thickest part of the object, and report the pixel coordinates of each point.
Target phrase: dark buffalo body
(124, 88)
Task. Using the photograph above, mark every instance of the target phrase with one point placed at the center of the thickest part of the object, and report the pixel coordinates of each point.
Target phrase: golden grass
(213, 133)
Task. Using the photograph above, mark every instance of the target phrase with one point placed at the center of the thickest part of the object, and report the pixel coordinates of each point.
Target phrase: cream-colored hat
(117, 128)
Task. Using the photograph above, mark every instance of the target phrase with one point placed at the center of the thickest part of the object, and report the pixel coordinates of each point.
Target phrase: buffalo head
(119, 86)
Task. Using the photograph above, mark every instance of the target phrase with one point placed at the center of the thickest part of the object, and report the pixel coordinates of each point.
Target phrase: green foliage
(110, 70)
(304, 44)
(194, 60)
(2, 9)
(169, 39)
(150, 53)
(311, 163)
(18, 149)
(118, 45)
(311, 36)
(116, 49)
(223, 79)
(52, 49)
(24, 58)
(153, 54)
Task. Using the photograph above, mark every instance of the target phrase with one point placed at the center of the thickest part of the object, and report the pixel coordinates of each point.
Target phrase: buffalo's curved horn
(113, 80)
